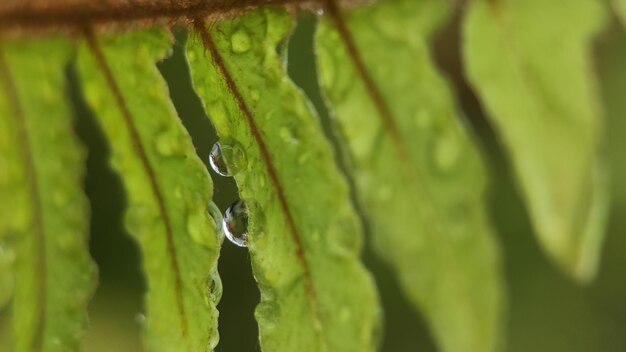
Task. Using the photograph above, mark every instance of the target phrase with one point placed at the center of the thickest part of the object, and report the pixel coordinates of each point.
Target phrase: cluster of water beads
(227, 160)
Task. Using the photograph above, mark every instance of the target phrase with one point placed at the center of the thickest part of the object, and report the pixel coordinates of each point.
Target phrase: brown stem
(64, 15)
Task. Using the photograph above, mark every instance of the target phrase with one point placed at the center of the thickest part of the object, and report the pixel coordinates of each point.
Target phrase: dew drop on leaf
(268, 311)
(197, 223)
(214, 287)
(423, 120)
(227, 159)
(289, 135)
(340, 239)
(168, 143)
(140, 319)
(216, 217)
(447, 151)
(235, 223)
(240, 41)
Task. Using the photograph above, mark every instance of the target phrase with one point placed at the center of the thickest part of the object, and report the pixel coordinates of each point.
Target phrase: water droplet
(235, 223)
(303, 158)
(227, 158)
(447, 152)
(178, 192)
(140, 219)
(288, 135)
(68, 243)
(214, 287)
(267, 313)
(343, 240)
(140, 319)
(240, 41)
(167, 143)
(459, 218)
(345, 314)
(384, 193)
(423, 119)
(254, 94)
(60, 198)
(197, 224)
(216, 218)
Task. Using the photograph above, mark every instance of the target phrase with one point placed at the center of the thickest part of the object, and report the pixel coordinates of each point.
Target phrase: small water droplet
(343, 241)
(423, 119)
(68, 244)
(216, 219)
(178, 192)
(240, 41)
(167, 143)
(459, 218)
(447, 152)
(235, 223)
(303, 158)
(197, 224)
(214, 287)
(268, 313)
(254, 94)
(345, 314)
(384, 193)
(227, 158)
(288, 135)
(140, 218)
(140, 319)
(60, 198)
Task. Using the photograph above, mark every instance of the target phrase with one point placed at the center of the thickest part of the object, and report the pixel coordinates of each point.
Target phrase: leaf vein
(33, 185)
(141, 152)
(256, 133)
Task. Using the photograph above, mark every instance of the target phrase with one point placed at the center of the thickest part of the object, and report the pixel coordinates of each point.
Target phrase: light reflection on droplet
(235, 224)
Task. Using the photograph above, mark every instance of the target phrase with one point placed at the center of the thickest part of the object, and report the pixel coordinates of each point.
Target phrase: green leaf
(12, 196)
(169, 192)
(304, 237)
(620, 9)
(417, 172)
(529, 61)
(43, 205)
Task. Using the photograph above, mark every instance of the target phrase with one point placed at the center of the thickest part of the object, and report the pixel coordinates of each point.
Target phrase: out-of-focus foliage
(42, 206)
(620, 9)
(304, 238)
(169, 191)
(529, 61)
(416, 169)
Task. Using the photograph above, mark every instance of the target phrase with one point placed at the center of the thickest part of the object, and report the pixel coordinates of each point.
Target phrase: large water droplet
(240, 41)
(235, 223)
(227, 159)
